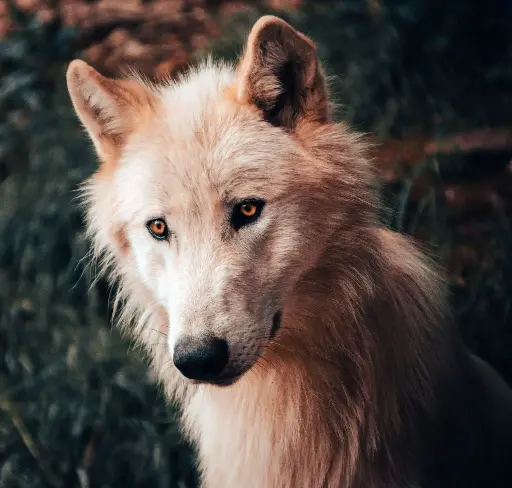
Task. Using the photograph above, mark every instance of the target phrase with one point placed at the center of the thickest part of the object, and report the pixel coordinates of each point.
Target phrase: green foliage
(412, 65)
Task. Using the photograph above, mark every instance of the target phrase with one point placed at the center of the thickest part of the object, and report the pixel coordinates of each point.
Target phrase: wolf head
(217, 194)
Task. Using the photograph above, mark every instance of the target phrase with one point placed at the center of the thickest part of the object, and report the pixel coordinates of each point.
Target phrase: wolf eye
(246, 212)
(158, 229)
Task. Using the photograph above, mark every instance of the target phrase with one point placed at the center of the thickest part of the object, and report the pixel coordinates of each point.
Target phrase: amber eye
(158, 228)
(246, 212)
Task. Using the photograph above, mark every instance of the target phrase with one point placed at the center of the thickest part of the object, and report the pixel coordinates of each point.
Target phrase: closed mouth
(228, 380)
(222, 382)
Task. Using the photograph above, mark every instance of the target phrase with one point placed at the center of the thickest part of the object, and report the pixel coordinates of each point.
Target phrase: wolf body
(307, 345)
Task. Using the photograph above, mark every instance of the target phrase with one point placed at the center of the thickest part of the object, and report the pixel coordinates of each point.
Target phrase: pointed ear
(280, 74)
(108, 108)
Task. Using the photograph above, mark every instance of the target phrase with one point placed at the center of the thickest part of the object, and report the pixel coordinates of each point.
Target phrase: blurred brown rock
(29, 5)
(154, 36)
(284, 4)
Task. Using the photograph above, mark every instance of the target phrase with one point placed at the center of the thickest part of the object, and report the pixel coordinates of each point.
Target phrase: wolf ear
(280, 74)
(107, 108)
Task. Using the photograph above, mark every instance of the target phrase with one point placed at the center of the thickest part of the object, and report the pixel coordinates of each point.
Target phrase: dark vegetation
(77, 407)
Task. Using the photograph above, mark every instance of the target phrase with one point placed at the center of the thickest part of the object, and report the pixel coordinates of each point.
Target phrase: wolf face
(210, 197)
(214, 215)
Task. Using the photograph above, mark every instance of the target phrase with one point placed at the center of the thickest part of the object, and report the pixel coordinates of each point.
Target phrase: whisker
(159, 331)
(165, 363)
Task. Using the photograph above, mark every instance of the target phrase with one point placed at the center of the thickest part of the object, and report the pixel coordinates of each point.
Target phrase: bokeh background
(430, 81)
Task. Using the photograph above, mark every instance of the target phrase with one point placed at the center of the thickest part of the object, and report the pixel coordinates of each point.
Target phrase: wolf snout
(201, 358)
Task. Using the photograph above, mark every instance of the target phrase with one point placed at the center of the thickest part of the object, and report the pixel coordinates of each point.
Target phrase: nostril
(201, 358)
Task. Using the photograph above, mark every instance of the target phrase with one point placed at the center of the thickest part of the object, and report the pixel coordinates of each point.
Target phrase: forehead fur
(200, 142)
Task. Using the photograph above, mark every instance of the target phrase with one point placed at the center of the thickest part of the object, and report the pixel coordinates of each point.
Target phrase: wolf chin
(307, 345)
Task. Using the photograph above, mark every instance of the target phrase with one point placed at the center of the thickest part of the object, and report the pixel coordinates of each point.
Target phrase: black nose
(201, 358)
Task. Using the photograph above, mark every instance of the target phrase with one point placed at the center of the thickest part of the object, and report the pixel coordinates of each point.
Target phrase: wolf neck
(353, 365)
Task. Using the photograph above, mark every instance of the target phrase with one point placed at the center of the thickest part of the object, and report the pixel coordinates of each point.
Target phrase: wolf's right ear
(107, 108)
(280, 74)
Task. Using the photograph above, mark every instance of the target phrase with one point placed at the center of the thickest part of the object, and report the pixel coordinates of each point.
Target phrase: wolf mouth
(228, 380)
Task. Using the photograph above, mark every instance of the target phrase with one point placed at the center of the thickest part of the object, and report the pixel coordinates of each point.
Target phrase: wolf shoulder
(472, 437)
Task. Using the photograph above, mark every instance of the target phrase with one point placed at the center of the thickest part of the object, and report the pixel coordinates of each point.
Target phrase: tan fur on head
(331, 399)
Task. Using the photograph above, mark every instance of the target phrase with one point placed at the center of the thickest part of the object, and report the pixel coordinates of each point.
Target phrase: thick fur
(365, 384)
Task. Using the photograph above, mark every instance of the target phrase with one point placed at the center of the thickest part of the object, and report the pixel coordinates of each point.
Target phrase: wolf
(307, 345)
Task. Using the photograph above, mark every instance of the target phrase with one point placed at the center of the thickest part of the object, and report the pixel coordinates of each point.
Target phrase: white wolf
(310, 346)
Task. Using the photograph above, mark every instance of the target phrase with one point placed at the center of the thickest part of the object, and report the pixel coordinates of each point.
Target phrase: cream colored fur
(330, 401)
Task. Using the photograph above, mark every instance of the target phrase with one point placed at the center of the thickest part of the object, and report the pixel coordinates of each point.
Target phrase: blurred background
(429, 80)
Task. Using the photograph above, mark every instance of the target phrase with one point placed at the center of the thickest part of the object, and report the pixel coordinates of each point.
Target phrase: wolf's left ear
(109, 109)
(280, 74)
